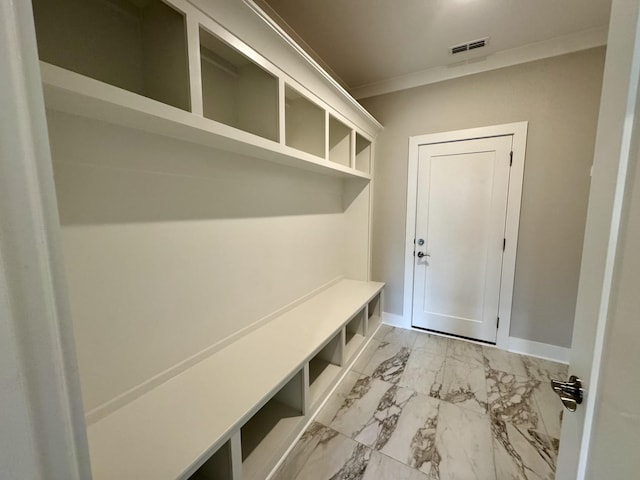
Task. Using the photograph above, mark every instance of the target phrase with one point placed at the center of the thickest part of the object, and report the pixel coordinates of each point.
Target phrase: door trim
(519, 132)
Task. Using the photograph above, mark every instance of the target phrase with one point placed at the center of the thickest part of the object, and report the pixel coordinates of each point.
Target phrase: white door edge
(41, 408)
(519, 132)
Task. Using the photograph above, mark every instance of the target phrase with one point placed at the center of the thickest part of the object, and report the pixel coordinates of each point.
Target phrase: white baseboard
(395, 320)
(515, 345)
(540, 350)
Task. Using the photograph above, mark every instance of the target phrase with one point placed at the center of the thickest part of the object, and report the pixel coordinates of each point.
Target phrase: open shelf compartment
(304, 123)
(136, 45)
(363, 154)
(269, 432)
(236, 91)
(374, 315)
(339, 142)
(324, 368)
(218, 467)
(354, 334)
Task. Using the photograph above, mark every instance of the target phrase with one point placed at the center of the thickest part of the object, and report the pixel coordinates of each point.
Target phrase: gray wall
(559, 97)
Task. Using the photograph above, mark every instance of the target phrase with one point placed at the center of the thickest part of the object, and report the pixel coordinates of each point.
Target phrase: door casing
(519, 132)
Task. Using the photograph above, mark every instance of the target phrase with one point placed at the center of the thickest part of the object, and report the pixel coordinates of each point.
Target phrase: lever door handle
(422, 254)
(570, 393)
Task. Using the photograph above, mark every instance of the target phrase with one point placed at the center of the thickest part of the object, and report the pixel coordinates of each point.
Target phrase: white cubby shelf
(234, 411)
(70, 92)
(139, 64)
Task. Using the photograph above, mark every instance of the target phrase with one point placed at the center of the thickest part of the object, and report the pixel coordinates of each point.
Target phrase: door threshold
(458, 337)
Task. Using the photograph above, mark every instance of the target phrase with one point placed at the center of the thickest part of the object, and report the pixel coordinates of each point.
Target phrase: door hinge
(498, 324)
(510, 158)
(504, 244)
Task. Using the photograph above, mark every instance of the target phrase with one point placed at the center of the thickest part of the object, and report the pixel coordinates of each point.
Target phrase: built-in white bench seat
(233, 414)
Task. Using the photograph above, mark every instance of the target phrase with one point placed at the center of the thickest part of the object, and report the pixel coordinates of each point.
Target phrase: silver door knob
(422, 254)
(570, 393)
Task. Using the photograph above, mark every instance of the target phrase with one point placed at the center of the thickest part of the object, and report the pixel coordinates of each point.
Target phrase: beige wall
(559, 98)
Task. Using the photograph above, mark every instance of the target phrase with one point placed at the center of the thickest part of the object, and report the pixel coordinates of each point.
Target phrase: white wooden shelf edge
(77, 94)
(172, 429)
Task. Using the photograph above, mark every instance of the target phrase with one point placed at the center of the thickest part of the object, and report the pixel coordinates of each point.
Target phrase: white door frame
(41, 414)
(519, 132)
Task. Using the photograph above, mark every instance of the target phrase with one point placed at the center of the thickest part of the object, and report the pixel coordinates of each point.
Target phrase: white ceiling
(370, 41)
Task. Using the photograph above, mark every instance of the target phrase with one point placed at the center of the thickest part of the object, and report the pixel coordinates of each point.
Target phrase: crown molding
(583, 40)
(311, 61)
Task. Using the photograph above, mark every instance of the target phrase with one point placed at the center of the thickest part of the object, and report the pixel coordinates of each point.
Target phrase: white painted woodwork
(374, 313)
(518, 131)
(604, 291)
(236, 91)
(159, 232)
(184, 249)
(305, 124)
(42, 433)
(460, 215)
(324, 368)
(363, 154)
(357, 226)
(355, 332)
(339, 142)
(69, 92)
(141, 49)
(220, 393)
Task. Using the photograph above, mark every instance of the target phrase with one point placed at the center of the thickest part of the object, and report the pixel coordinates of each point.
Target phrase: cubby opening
(373, 313)
(304, 123)
(363, 154)
(236, 91)
(339, 142)
(137, 45)
(270, 431)
(354, 334)
(218, 467)
(324, 368)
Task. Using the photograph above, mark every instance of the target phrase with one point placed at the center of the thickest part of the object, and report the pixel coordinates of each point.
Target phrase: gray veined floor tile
(381, 467)
(550, 408)
(463, 444)
(383, 422)
(338, 458)
(412, 441)
(545, 370)
(387, 362)
(433, 344)
(315, 435)
(465, 352)
(504, 361)
(464, 384)
(365, 357)
(359, 406)
(510, 399)
(522, 454)
(382, 331)
(424, 372)
(336, 400)
(401, 336)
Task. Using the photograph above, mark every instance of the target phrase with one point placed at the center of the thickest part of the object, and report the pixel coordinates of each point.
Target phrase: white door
(616, 147)
(460, 229)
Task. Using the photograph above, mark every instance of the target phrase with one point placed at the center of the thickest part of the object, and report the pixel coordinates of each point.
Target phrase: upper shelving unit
(235, 91)
(305, 124)
(339, 142)
(138, 46)
(133, 63)
(363, 154)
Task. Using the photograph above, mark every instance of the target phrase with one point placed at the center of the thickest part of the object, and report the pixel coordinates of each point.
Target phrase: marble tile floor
(417, 406)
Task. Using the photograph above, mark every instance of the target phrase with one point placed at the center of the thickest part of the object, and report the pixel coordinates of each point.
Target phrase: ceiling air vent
(466, 47)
